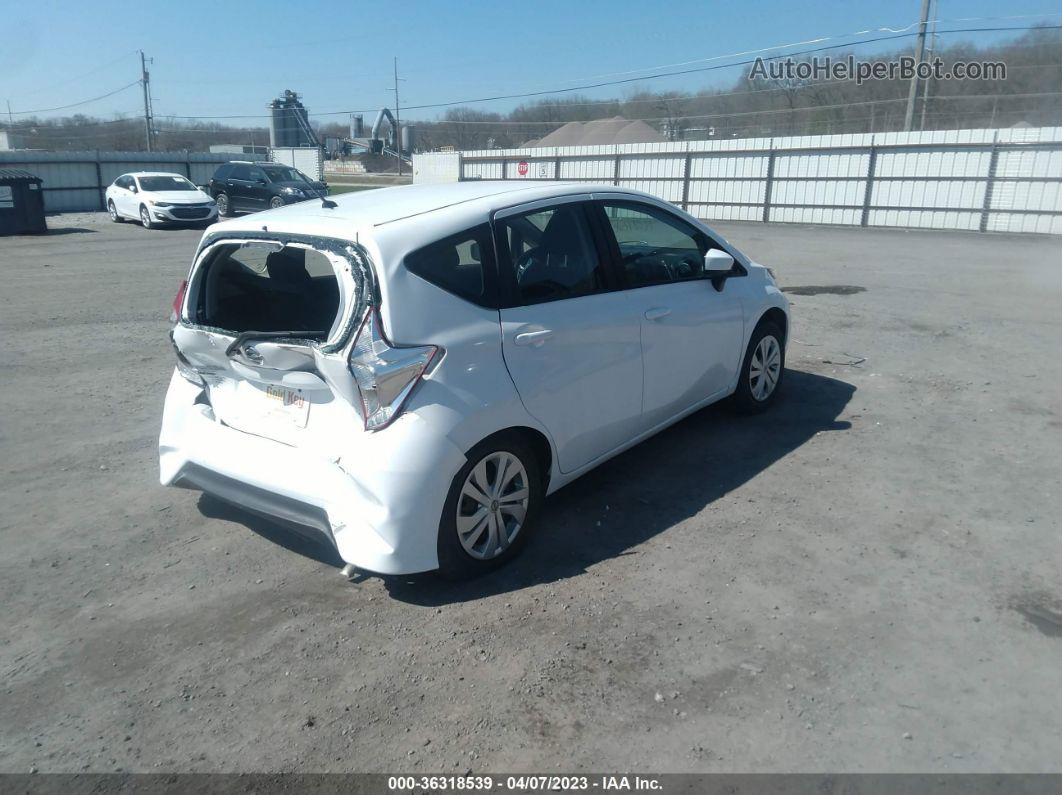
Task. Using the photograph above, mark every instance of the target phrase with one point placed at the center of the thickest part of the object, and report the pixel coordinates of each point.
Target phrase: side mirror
(134, 189)
(717, 263)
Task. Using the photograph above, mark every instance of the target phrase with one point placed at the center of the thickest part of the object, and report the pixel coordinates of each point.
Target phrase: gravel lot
(867, 578)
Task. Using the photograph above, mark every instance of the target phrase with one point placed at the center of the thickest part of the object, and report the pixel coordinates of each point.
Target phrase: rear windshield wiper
(269, 335)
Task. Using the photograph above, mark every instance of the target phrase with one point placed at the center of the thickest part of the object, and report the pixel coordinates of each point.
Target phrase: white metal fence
(989, 180)
(75, 181)
(307, 159)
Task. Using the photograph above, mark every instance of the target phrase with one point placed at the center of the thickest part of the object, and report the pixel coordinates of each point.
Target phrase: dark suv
(245, 185)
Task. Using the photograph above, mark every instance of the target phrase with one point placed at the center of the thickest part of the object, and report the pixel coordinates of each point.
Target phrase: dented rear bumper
(379, 502)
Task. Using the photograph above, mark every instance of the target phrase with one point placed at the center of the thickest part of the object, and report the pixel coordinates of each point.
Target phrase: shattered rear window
(273, 286)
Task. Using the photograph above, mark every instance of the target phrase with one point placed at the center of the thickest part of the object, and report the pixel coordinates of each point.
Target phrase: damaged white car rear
(406, 373)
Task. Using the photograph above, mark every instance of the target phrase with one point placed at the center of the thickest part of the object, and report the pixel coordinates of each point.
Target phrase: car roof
(153, 174)
(395, 220)
(393, 205)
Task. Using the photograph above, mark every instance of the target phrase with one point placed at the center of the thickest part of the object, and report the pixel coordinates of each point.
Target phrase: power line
(721, 114)
(766, 111)
(589, 86)
(76, 104)
(82, 75)
(700, 97)
(699, 69)
(703, 97)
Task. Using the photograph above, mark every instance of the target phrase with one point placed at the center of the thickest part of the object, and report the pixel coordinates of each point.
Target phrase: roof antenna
(327, 203)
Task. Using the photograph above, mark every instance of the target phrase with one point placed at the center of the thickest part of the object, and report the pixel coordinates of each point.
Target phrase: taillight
(184, 367)
(385, 375)
(179, 301)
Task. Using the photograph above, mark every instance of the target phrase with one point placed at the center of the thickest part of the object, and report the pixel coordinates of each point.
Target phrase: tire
(276, 203)
(224, 208)
(755, 393)
(485, 547)
(115, 218)
(145, 218)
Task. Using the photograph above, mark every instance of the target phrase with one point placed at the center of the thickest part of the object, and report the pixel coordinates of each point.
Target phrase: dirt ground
(867, 578)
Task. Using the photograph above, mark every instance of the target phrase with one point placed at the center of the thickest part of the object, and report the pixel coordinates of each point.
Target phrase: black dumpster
(21, 203)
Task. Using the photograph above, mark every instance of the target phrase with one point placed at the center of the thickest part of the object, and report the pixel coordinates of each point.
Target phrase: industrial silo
(408, 137)
(290, 122)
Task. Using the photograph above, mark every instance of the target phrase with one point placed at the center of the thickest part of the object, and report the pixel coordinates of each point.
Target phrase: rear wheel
(222, 201)
(275, 203)
(491, 509)
(113, 212)
(145, 217)
(762, 370)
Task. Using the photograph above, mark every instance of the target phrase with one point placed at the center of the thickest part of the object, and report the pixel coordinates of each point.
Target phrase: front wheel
(491, 509)
(762, 370)
(145, 218)
(276, 203)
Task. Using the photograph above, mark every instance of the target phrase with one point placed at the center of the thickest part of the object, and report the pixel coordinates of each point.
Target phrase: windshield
(165, 183)
(276, 174)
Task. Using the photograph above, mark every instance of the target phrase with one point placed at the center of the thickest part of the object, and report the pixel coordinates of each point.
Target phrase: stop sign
(522, 168)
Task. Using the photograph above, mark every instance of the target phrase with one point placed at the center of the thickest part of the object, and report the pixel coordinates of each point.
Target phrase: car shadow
(648, 489)
(68, 230)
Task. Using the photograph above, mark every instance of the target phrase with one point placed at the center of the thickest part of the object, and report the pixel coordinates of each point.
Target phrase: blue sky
(225, 58)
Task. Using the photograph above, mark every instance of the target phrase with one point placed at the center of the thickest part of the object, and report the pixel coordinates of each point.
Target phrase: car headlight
(160, 204)
(291, 191)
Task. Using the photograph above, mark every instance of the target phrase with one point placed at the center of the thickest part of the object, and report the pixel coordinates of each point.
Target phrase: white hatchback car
(408, 372)
(157, 197)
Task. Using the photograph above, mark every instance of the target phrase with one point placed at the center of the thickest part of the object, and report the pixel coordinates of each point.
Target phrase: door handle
(534, 338)
(657, 313)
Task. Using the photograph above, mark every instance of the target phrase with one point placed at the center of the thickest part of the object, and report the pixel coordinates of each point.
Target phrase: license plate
(288, 403)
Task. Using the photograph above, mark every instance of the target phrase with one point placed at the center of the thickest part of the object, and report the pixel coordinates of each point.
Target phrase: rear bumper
(378, 502)
(305, 519)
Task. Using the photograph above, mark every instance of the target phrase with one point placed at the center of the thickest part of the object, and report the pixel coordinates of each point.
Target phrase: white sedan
(408, 372)
(155, 197)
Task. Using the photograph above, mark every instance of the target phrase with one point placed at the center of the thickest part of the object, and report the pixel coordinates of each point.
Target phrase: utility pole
(920, 49)
(932, 50)
(10, 116)
(145, 81)
(398, 122)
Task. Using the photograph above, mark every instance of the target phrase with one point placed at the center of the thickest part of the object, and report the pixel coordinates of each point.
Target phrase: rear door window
(460, 264)
(241, 172)
(550, 255)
